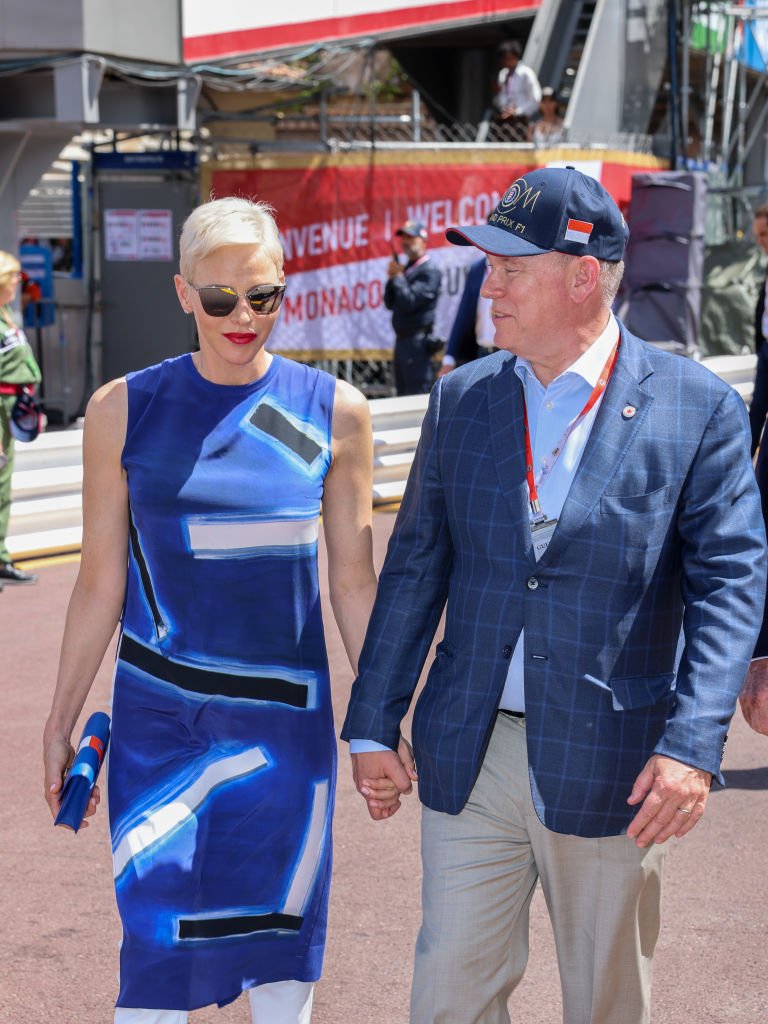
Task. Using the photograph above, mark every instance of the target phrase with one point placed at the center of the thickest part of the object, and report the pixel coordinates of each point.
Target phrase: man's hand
(754, 696)
(394, 268)
(673, 798)
(382, 777)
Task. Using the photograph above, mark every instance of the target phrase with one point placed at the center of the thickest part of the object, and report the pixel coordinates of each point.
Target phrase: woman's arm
(347, 519)
(348, 529)
(97, 599)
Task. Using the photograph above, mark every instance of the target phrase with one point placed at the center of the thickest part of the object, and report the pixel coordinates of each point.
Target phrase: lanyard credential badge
(541, 535)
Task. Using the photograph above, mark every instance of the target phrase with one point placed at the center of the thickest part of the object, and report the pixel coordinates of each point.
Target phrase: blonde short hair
(9, 266)
(229, 221)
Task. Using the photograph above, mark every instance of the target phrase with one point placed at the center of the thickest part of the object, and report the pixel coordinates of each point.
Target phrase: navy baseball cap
(27, 417)
(414, 229)
(555, 209)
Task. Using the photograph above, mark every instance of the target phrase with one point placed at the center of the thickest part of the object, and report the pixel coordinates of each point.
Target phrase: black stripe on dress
(227, 927)
(161, 626)
(274, 423)
(208, 681)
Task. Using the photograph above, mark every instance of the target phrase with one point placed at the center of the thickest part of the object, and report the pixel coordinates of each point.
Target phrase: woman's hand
(58, 755)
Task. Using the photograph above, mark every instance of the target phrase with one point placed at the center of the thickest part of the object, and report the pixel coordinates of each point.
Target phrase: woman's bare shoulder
(107, 412)
(350, 409)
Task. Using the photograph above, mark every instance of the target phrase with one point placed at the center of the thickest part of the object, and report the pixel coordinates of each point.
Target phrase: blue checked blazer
(661, 528)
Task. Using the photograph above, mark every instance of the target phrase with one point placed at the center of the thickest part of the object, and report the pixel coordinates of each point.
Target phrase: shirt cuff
(760, 657)
(449, 361)
(366, 747)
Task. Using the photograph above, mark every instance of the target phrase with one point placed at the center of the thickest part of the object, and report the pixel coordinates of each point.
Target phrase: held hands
(754, 696)
(383, 776)
(672, 796)
(58, 755)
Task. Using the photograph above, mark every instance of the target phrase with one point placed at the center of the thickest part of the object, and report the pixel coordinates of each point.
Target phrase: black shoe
(10, 574)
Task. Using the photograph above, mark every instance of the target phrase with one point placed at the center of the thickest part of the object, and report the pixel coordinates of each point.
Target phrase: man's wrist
(358, 746)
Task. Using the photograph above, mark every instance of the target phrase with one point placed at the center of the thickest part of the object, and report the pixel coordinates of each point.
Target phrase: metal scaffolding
(723, 55)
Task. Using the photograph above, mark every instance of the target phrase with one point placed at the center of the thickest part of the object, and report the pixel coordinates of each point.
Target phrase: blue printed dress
(222, 764)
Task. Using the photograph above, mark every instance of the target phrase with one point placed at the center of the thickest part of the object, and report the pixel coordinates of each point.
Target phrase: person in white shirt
(518, 92)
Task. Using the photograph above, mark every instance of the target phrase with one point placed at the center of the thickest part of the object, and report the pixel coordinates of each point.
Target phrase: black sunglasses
(221, 299)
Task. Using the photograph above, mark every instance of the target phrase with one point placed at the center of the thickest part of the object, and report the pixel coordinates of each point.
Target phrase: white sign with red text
(338, 216)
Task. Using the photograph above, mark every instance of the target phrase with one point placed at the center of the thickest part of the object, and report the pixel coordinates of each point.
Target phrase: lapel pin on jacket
(628, 412)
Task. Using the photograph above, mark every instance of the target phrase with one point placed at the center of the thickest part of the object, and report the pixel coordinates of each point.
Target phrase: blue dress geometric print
(222, 765)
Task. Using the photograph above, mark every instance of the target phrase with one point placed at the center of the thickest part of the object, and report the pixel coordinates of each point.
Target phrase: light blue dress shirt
(550, 410)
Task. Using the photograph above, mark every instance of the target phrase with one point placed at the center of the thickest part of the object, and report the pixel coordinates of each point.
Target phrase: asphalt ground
(59, 926)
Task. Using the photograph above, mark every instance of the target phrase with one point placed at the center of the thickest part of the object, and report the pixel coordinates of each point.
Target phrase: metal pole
(77, 221)
(713, 82)
(686, 84)
(741, 125)
(372, 95)
(729, 88)
(672, 58)
(64, 368)
(323, 117)
(416, 115)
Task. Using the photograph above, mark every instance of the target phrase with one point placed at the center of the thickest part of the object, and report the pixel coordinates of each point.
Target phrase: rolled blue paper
(82, 775)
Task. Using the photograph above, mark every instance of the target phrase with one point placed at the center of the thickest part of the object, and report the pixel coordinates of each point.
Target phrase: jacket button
(506, 651)
(533, 583)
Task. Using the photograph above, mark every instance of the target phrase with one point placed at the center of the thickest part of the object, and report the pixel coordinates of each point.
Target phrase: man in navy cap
(411, 292)
(577, 499)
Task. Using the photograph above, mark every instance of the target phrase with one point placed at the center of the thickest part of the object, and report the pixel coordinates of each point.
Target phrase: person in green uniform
(17, 367)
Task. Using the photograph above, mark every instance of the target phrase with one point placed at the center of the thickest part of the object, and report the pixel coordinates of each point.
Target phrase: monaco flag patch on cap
(578, 231)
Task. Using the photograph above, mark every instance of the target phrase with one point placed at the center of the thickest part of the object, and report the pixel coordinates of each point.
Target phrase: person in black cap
(411, 292)
(577, 498)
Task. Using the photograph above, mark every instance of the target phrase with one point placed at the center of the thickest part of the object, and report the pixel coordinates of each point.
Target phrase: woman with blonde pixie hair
(204, 480)
(18, 369)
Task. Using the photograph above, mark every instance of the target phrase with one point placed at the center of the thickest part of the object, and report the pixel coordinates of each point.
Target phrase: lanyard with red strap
(537, 516)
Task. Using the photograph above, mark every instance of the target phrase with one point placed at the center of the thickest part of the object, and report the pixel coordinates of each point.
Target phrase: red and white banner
(338, 215)
(239, 27)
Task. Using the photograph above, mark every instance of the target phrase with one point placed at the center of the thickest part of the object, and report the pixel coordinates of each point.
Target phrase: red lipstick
(240, 339)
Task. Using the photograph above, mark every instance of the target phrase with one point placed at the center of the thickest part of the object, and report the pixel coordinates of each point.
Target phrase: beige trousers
(480, 870)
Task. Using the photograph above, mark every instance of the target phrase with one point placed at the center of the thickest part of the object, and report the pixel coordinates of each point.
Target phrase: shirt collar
(590, 363)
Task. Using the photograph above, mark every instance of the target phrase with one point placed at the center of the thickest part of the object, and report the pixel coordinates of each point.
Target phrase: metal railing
(46, 515)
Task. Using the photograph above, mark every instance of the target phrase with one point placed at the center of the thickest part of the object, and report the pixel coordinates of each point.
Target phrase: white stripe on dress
(306, 870)
(227, 538)
(165, 819)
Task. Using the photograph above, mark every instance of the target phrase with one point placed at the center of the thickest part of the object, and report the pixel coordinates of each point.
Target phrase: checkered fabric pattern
(661, 529)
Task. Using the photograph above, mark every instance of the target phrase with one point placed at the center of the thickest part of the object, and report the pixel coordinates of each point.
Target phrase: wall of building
(141, 30)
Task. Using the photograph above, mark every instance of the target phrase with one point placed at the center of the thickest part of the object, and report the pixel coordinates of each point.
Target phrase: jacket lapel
(612, 433)
(505, 416)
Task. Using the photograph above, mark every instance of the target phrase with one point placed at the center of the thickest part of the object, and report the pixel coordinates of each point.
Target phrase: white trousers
(280, 1002)
(480, 870)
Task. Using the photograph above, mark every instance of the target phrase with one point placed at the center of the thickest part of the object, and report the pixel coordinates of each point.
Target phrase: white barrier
(46, 512)
(46, 515)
